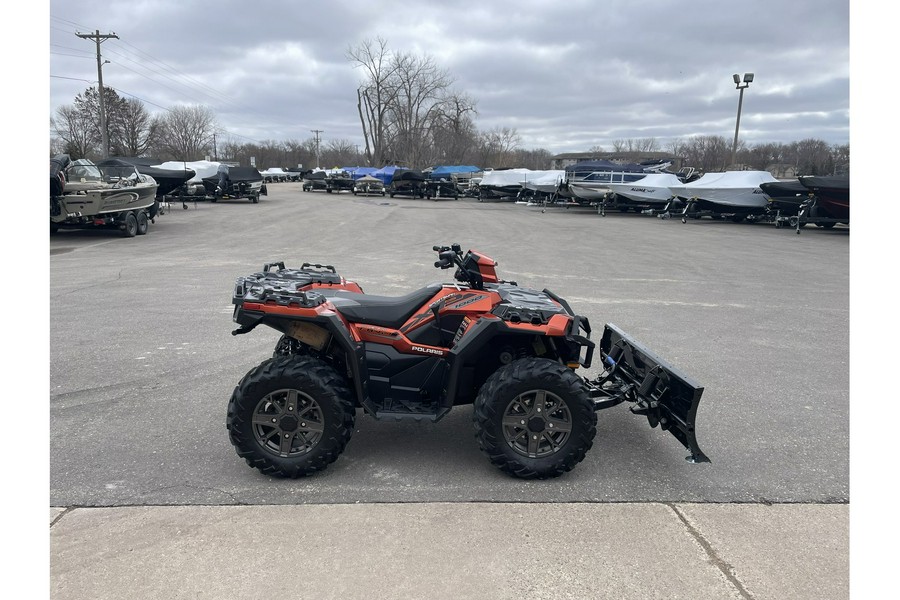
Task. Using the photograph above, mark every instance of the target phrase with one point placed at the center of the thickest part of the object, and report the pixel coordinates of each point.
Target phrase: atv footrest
(385, 415)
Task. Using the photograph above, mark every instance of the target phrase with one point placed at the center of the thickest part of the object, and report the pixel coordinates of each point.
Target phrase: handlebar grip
(443, 264)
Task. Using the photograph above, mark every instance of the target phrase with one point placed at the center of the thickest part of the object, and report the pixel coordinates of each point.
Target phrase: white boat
(502, 184)
(731, 189)
(734, 193)
(596, 186)
(653, 189)
(547, 182)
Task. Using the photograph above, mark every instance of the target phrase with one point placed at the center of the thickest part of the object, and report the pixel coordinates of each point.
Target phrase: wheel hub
(536, 425)
(288, 423)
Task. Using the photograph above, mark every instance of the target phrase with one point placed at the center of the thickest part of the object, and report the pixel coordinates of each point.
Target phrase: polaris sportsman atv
(509, 350)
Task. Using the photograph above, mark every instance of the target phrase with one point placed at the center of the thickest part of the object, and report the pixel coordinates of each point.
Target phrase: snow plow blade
(659, 391)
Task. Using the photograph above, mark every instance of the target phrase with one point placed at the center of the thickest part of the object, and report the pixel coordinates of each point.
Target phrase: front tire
(533, 419)
(131, 225)
(291, 416)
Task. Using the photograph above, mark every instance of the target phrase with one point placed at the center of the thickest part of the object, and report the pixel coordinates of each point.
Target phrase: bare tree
(421, 87)
(635, 145)
(707, 152)
(187, 132)
(811, 157)
(75, 129)
(497, 147)
(133, 130)
(375, 95)
(405, 103)
(453, 134)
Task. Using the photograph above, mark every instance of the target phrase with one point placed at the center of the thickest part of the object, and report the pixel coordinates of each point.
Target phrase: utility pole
(317, 132)
(97, 37)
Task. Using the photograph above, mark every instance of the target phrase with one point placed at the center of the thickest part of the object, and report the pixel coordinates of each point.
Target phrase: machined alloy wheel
(288, 423)
(291, 416)
(534, 419)
(537, 423)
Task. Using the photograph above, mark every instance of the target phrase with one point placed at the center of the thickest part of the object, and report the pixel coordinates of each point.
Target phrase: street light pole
(741, 85)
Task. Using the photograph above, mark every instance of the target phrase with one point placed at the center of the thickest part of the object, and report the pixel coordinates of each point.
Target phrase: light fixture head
(748, 77)
(737, 78)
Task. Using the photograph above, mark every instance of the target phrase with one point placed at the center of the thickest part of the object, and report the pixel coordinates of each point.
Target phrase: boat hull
(98, 202)
(832, 195)
(652, 190)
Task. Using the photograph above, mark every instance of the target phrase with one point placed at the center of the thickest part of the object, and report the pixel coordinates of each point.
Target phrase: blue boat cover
(446, 172)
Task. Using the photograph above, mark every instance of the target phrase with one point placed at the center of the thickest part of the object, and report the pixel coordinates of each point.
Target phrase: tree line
(409, 114)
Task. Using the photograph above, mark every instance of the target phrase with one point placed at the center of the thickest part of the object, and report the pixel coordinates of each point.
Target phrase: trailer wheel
(143, 223)
(291, 416)
(131, 225)
(534, 419)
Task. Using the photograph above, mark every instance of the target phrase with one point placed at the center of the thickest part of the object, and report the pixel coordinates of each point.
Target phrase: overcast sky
(566, 75)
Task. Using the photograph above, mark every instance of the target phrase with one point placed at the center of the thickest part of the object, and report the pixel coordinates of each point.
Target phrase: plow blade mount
(659, 391)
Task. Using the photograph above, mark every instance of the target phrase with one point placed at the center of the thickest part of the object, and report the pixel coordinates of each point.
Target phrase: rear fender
(658, 391)
(325, 329)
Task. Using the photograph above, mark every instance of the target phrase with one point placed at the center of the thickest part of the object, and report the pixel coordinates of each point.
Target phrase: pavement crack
(65, 511)
(723, 566)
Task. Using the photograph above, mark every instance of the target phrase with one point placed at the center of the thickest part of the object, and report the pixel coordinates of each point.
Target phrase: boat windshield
(84, 171)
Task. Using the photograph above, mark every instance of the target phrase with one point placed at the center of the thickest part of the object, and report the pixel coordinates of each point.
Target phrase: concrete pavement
(452, 550)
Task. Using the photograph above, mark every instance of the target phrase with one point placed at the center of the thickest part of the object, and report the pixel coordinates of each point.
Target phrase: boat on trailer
(735, 195)
(85, 195)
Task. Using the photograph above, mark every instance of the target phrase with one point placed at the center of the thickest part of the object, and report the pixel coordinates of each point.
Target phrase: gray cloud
(566, 76)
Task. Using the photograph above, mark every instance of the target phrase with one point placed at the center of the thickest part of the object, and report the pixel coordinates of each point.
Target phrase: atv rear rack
(658, 390)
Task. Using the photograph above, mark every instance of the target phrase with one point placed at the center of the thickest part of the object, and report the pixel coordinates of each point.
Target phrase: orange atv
(509, 350)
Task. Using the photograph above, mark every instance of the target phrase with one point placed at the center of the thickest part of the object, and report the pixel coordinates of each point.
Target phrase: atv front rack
(658, 391)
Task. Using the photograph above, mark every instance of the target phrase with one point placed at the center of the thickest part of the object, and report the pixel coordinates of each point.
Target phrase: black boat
(169, 180)
(243, 182)
(408, 182)
(785, 197)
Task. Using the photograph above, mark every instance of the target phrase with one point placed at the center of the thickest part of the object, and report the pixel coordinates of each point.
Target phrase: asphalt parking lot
(142, 360)
(149, 500)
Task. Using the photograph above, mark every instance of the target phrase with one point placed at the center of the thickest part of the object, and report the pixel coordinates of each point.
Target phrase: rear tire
(143, 223)
(291, 416)
(533, 418)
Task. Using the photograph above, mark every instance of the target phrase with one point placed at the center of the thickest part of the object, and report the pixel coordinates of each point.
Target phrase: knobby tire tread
(305, 373)
(500, 388)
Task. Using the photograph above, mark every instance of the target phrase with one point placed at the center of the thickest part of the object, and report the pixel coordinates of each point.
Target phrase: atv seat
(384, 311)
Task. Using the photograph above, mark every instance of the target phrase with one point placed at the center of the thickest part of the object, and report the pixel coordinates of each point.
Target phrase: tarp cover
(168, 180)
(201, 168)
(731, 179)
(446, 172)
(238, 174)
(505, 178)
(408, 175)
(386, 173)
